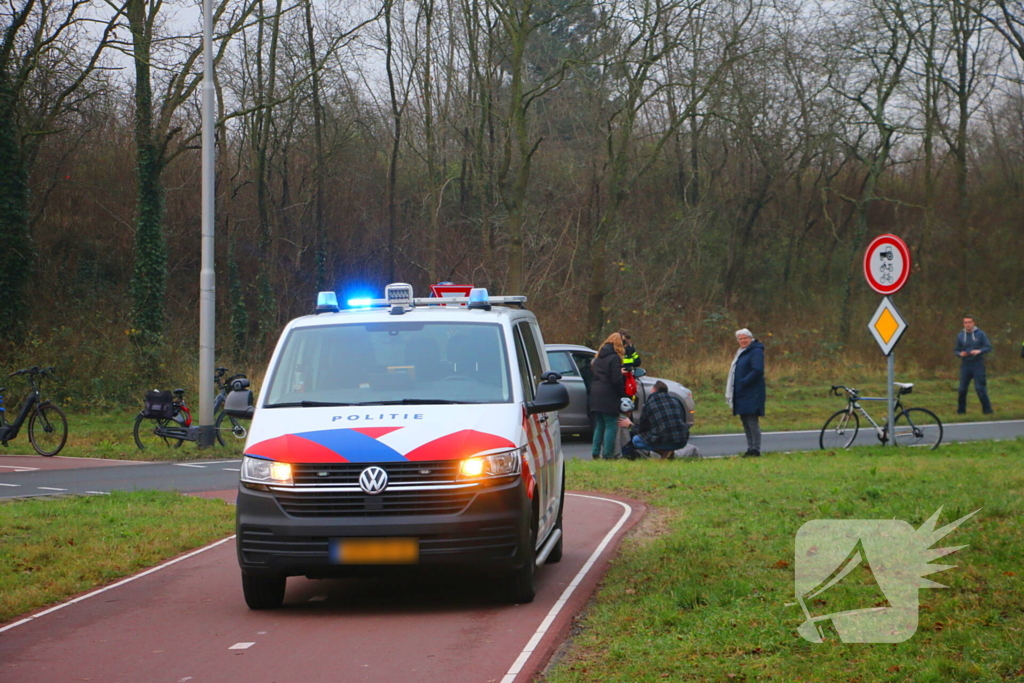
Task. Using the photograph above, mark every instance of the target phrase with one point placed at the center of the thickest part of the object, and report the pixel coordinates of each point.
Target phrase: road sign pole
(892, 402)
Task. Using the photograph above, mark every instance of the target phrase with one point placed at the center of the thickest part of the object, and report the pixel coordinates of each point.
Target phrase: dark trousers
(975, 371)
(752, 428)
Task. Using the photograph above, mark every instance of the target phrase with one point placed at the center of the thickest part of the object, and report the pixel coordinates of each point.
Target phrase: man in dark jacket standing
(745, 388)
(971, 347)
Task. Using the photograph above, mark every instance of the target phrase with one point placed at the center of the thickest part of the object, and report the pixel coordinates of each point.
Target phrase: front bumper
(491, 528)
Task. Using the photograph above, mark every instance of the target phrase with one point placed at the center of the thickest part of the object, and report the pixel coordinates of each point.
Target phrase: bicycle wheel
(918, 427)
(233, 427)
(146, 436)
(840, 430)
(47, 429)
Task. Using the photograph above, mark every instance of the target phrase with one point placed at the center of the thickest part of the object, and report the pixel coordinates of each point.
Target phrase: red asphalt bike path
(187, 622)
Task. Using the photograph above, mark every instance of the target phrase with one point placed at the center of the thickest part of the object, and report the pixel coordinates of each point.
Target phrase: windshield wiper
(309, 404)
(414, 401)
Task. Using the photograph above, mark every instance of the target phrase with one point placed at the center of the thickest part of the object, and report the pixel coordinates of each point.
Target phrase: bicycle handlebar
(836, 387)
(34, 370)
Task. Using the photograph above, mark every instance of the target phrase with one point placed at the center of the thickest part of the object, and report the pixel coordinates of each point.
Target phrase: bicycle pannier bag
(159, 405)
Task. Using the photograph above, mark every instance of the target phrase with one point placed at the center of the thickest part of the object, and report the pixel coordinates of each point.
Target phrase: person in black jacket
(606, 389)
(971, 346)
(662, 426)
(745, 389)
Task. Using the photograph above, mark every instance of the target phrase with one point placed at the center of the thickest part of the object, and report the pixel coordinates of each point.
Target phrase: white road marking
(49, 488)
(542, 630)
(241, 646)
(99, 493)
(119, 583)
(13, 485)
(216, 462)
(19, 468)
(182, 464)
(232, 469)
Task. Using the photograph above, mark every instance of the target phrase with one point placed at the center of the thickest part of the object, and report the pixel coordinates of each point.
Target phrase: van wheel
(263, 592)
(556, 552)
(521, 586)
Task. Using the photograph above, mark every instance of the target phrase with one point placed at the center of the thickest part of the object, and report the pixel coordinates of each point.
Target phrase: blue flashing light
(479, 298)
(360, 303)
(326, 302)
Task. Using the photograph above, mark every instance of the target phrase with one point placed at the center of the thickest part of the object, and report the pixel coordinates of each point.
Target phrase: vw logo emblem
(373, 480)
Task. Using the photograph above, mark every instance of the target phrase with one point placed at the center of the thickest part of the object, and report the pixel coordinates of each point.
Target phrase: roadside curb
(558, 626)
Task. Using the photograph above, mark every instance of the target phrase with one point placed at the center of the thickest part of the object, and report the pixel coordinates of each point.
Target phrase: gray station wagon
(572, 362)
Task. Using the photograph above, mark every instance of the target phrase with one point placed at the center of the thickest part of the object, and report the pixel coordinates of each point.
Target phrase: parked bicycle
(913, 426)
(47, 426)
(163, 421)
(235, 382)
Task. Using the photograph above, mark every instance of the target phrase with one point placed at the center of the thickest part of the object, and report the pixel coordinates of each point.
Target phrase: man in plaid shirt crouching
(662, 427)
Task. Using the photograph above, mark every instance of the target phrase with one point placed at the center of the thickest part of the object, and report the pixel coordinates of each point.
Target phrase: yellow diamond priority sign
(887, 325)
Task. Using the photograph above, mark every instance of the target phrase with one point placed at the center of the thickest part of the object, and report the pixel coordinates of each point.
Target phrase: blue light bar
(326, 302)
(360, 303)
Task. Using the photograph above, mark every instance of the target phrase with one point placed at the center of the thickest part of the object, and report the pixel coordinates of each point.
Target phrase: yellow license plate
(376, 551)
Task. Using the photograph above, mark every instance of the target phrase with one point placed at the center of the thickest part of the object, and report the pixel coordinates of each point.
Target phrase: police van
(417, 431)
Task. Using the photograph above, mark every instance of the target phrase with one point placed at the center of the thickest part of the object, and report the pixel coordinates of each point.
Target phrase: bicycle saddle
(904, 387)
(179, 392)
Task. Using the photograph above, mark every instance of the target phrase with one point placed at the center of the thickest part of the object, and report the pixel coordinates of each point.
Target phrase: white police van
(411, 431)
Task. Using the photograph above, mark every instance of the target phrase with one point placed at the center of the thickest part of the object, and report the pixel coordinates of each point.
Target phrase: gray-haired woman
(745, 388)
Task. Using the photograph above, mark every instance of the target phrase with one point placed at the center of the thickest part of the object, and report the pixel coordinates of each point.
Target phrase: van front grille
(347, 473)
(392, 502)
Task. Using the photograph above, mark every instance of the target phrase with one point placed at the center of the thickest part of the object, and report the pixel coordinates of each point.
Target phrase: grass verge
(704, 600)
(799, 403)
(109, 436)
(53, 549)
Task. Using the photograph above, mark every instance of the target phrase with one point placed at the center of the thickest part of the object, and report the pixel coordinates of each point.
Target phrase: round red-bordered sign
(887, 264)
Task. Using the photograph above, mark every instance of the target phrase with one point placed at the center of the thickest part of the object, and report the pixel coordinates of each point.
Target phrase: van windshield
(391, 363)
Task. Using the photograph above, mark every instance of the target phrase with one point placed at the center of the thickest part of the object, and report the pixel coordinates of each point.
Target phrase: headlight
(260, 471)
(498, 465)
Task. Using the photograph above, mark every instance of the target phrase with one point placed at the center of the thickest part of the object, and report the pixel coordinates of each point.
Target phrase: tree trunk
(150, 279)
(16, 251)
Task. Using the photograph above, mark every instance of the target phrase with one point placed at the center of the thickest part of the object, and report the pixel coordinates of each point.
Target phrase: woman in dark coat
(606, 389)
(745, 390)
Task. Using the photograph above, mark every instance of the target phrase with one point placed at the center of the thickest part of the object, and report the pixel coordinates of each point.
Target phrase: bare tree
(876, 42)
(48, 62)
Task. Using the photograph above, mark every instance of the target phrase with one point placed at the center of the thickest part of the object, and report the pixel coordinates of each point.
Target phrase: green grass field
(797, 404)
(699, 593)
(55, 548)
(109, 435)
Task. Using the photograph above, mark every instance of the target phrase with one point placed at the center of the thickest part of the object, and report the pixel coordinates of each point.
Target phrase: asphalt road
(28, 476)
(187, 621)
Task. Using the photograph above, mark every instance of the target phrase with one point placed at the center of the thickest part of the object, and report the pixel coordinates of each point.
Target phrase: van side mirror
(239, 404)
(639, 372)
(551, 395)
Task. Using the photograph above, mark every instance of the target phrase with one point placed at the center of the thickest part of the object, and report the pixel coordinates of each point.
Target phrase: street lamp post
(207, 276)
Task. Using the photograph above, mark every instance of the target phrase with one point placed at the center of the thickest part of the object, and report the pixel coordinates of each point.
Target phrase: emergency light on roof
(398, 297)
(326, 302)
(478, 298)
